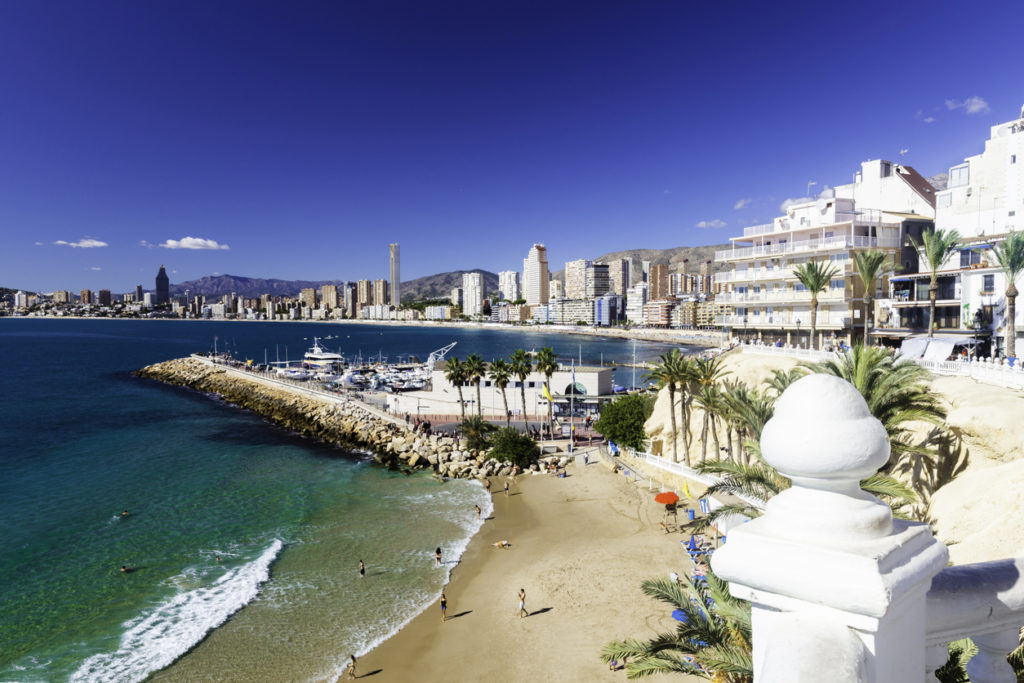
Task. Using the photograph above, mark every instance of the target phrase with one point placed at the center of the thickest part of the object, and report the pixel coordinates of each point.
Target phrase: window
(959, 175)
(968, 257)
(886, 170)
(1013, 158)
(990, 283)
(945, 199)
(837, 284)
(530, 385)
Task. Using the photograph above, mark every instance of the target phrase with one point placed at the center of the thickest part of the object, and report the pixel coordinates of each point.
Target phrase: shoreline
(580, 547)
(712, 339)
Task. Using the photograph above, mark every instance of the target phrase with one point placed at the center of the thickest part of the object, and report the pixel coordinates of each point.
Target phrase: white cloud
(714, 223)
(784, 207)
(929, 119)
(95, 268)
(39, 244)
(84, 243)
(743, 203)
(147, 244)
(972, 105)
(193, 243)
(666, 192)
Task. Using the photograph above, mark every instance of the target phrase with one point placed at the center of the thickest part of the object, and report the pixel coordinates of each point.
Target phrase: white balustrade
(841, 591)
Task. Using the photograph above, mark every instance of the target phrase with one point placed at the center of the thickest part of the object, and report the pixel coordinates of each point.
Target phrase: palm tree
(475, 431)
(1010, 256)
(870, 264)
(706, 373)
(455, 372)
(547, 364)
(815, 277)
(476, 369)
(522, 366)
(713, 640)
(501, 373)
(938, 245)
(710, 400)
(666, 372)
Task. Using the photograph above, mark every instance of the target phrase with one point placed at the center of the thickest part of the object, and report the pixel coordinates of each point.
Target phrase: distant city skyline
(299, 142)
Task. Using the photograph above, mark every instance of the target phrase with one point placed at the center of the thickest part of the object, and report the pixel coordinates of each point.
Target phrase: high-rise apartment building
(536, 277)
(364, 293)
(63, 297)
(85, 296)
(646, 265)
(508, 285)
(351, 299)
(381, 295)
(456, 297)
(597, 280)
(576, 278)
(473, 294)
(138, 293)
(308, 297)
(396, 279)
(329, 296)
(658, 281)
(618, 276)
(103, 297)
(556, 290)
(163, 287)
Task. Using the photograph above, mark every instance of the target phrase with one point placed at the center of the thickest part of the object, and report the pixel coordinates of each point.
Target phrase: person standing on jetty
(522, 604)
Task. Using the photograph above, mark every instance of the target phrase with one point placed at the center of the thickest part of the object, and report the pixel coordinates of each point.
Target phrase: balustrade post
(990, 665)
(836, 585)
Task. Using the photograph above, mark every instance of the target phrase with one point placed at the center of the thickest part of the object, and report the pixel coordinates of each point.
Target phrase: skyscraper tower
(536, 277)
(396, 285)
(163, 287)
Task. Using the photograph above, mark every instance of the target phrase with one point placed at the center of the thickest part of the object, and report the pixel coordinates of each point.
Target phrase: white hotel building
(983, 201)
(884, 202)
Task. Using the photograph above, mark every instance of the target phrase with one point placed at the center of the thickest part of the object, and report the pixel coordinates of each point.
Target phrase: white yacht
(319, 358)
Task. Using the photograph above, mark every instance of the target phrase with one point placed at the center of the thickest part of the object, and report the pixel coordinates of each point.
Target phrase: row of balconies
(803, 246)
(865, 217)
(789, 295)
(794, 320)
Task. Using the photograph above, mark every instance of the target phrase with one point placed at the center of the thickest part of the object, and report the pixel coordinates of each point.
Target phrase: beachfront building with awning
(983, 200)
(884, 203)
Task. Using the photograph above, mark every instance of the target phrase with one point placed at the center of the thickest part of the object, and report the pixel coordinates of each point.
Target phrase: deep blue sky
(306, 136)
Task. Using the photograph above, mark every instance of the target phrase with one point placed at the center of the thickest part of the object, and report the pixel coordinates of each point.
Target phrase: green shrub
(622, 420)
(519, 449)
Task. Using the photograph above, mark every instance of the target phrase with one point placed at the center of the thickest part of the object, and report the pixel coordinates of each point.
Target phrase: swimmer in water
(125, 569)
(124, 513)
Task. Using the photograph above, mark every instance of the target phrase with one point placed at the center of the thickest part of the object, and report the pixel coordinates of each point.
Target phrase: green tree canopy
(622, 420)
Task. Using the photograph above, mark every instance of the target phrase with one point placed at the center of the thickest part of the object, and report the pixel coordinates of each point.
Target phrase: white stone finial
(824, 438)
(823, 430)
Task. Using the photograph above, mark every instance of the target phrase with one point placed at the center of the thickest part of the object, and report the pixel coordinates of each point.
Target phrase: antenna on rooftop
(903, 151)
(810, 183)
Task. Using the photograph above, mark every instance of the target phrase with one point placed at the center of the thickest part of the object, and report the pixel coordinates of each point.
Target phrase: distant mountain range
(429, 287)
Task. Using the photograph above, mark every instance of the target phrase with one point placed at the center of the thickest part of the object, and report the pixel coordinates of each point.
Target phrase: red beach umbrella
(668, 497)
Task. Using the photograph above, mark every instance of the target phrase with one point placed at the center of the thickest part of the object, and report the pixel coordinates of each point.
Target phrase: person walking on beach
(487, 484)
(477, 511)
(444, 608)
(352, 667)
(437, 557)
(506, 488)
(522, 604)
(362, 569)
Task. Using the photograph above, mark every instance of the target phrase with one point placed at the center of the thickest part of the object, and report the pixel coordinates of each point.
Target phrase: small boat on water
(293, 373)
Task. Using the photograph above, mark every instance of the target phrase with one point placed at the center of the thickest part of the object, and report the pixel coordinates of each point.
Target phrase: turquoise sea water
(82, 440)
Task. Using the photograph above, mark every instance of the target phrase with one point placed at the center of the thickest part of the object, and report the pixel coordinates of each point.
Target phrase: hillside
(440, 286)
(431, 286)
(675, 257)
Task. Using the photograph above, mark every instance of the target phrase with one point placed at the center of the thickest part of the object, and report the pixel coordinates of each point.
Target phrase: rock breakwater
(340, 421)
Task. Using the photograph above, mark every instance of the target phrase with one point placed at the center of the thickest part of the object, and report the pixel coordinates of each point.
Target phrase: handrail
(975, 599)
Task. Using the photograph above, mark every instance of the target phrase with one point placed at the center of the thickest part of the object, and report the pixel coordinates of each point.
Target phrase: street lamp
(798, 332)
(744, 328)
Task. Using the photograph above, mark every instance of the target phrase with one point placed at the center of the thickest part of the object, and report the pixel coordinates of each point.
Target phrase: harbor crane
(438, 355)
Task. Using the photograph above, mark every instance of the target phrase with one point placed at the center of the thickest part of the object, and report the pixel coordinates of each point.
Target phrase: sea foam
(156, 639)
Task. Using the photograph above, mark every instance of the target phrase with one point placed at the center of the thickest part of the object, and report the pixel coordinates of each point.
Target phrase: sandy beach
(580, 547)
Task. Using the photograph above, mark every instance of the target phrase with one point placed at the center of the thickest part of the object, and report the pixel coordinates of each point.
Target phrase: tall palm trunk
(714, 435)
(814, 320)
(1011, 312)
(522, 391)
(672, 412)
(933, 292)
(462, 403)
(704, 438)
(479, 402)
(508, 415)
(867, 319)
(551, 409)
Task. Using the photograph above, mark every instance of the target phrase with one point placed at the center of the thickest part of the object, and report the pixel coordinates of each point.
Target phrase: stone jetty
(340, 421)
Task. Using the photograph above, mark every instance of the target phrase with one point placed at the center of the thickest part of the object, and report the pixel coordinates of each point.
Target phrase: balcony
(787, 320)
(759, 229)
(805, 246)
